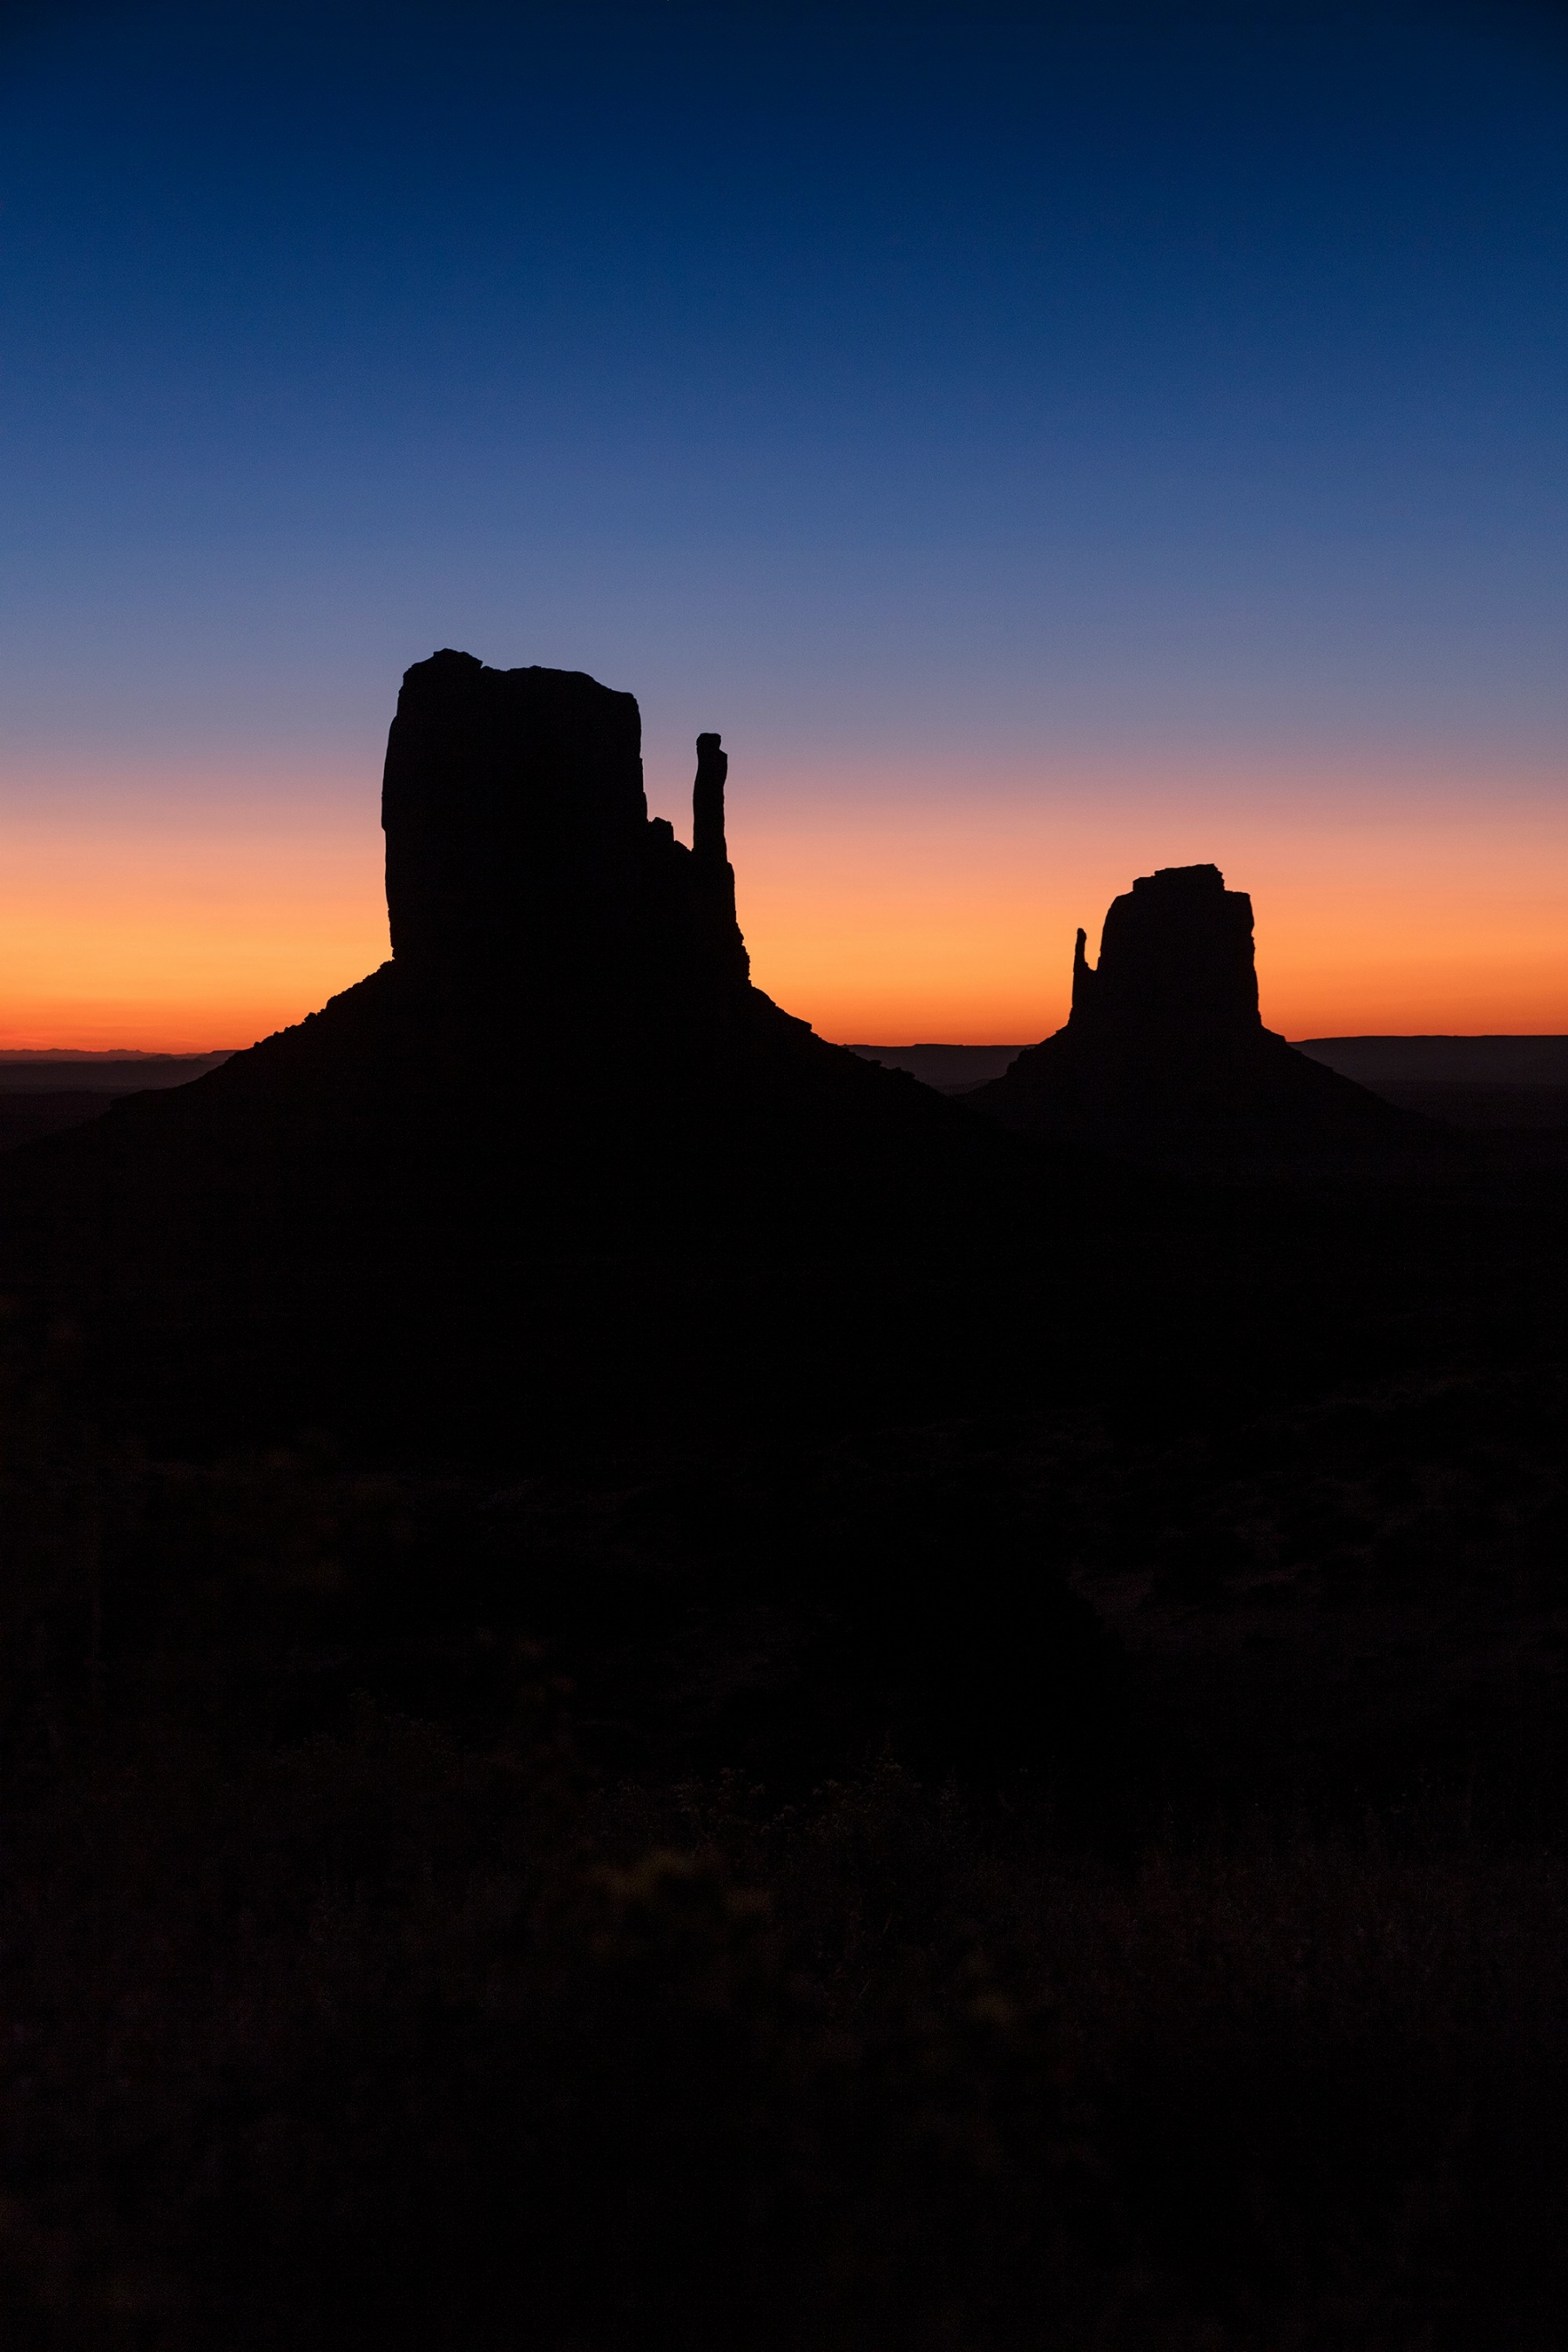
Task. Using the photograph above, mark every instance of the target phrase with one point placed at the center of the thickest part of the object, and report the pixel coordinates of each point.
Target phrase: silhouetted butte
(522, 866)
(565, 1041)
(1165, 1055)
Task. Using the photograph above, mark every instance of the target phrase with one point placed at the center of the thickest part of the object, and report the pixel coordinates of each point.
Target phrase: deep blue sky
(963, 387)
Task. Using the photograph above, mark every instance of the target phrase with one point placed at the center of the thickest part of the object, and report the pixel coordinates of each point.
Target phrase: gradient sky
(1047, 443)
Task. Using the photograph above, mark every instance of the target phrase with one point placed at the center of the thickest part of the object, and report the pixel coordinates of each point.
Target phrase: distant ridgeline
(46, 1090)
(1445, 1061)
(55, 1070)
(1495, 1082)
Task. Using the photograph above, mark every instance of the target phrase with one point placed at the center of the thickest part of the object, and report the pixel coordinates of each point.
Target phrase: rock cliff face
(521, 858)
(1175, 961)
(1165, 1055)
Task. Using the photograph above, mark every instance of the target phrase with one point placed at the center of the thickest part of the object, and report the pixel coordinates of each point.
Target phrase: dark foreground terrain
(1007, 1801)
(43, 1094)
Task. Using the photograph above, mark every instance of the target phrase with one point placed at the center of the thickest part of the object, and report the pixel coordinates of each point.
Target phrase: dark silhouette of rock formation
(1164, 1054)
(521, 859)
(1175, 961)
(564, 1050)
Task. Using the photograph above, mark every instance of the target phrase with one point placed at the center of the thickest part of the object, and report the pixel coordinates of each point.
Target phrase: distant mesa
(1539, 1061)
(1501, 1083)
(1164, 1054)
(126, 1071)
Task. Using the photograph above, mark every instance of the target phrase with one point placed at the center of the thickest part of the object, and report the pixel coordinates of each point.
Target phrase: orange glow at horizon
(184, 928)
(880, 910)
(936, 920)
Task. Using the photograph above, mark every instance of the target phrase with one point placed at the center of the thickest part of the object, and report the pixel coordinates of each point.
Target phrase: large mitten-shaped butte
(565, 1039)
(521, 857)
(1175, 960)
(1166, 1054)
